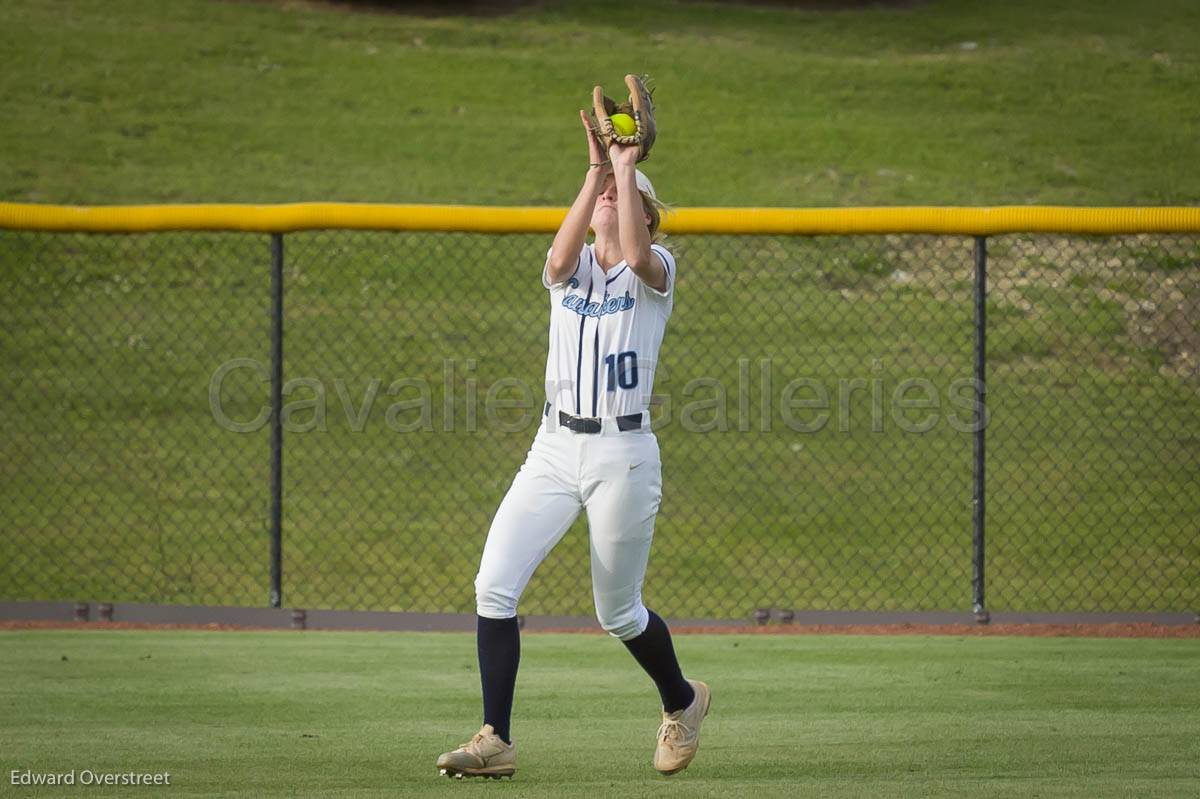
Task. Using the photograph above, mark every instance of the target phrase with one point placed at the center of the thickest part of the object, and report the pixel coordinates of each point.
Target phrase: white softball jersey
(605, 331)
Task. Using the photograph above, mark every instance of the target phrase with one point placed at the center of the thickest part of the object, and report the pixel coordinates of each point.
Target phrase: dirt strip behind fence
(1146, 630)
(132, 616)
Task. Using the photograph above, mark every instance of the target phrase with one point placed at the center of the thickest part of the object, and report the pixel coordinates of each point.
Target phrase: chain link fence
(816, 408)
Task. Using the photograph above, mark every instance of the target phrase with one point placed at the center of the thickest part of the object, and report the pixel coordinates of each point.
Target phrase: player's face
(605, 212)
(608, 196)
(604, 215)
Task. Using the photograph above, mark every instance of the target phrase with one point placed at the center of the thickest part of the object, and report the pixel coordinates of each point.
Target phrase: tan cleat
(485, 755)
(679, 735)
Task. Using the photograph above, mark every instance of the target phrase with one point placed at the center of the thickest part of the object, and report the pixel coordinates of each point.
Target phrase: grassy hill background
(947, 102)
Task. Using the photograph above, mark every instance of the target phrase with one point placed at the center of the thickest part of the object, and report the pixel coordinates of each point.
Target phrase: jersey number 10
(622, 370)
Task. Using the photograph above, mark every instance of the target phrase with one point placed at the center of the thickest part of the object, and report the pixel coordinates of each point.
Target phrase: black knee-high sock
(498, 642)
(655, 653)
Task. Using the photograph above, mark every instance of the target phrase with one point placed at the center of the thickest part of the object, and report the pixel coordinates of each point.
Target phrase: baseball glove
(640, 106)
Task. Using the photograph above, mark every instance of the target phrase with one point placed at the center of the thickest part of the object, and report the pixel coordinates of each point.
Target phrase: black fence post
(979, 606)
(276, 420)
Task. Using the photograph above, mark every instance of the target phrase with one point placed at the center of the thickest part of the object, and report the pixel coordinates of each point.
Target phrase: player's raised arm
(564, 253)
(632, 222)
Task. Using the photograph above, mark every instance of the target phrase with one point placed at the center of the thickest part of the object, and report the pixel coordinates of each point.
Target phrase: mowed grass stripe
(283, 714)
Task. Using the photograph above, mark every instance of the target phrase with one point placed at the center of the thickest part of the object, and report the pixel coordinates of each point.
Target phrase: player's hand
(624, 155)
(595, 151)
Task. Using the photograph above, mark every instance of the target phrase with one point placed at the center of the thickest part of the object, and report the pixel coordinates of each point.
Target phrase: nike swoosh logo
(633, 466)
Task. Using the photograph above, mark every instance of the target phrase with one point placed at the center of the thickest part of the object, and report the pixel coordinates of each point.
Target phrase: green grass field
(346, 714)
(945, 102)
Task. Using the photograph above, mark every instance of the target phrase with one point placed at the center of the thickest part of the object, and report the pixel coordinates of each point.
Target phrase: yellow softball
(624, 124)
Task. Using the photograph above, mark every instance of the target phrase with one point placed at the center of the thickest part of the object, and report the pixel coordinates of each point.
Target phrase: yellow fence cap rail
(936, 220)
(487, 219)
(278, 218)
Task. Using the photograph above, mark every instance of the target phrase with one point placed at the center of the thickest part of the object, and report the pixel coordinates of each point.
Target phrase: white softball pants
(617, 477)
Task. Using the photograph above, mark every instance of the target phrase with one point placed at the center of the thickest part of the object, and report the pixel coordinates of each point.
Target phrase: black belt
(590, 425)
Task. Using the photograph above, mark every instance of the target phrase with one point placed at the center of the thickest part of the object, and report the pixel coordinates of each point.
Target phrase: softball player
(595, 452)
